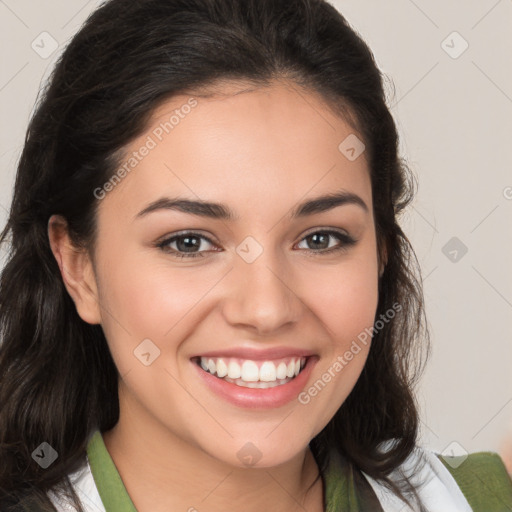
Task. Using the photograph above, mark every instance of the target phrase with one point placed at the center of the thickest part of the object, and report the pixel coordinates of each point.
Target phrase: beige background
(454, 112)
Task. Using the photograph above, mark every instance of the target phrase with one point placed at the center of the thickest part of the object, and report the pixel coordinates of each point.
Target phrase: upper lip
(254, 354)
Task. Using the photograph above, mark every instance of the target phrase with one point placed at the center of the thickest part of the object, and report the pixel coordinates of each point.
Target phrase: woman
(172, 338)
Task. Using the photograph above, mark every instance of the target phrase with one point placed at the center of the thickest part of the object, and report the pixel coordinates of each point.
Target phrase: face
(209, 318)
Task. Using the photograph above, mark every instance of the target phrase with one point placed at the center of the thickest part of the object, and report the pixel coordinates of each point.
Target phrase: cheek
(348, 314)
(345, 297)
(345, 302)
(148, 300)
(155, 299)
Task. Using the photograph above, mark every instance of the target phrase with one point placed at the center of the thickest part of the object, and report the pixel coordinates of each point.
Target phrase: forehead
(243, 146)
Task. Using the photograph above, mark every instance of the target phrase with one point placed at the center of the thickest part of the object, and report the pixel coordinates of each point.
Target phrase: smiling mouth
(253, 374)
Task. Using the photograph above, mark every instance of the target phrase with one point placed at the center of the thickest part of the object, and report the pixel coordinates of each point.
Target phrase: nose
(261, 295)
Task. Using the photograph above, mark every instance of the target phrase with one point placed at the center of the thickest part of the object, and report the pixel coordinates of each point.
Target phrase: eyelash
(347, 241)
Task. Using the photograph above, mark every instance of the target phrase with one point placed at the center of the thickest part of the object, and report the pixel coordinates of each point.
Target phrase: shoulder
(483, 479)
(85, 487)
(476, 482)
(436, 488)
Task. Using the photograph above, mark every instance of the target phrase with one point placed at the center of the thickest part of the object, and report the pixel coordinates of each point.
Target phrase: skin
(260, 152)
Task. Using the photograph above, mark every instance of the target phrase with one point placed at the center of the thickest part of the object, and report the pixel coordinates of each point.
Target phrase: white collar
(439, 492)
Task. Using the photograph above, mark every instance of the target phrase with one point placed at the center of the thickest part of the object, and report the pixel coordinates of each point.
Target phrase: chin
(259, 453)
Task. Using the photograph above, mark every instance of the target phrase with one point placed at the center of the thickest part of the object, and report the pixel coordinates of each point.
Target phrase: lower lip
(258, 398)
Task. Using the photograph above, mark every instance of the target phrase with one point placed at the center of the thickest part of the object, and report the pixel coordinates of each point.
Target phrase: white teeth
(281, 371)
(222, 369)
(234, 371)
(248, 372)
(268, 372)
(259, 384)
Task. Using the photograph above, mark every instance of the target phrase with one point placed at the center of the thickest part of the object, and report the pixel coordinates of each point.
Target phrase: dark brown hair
(58, 381)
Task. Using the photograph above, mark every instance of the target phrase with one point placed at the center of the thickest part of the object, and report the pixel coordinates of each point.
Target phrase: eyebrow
(219, 211)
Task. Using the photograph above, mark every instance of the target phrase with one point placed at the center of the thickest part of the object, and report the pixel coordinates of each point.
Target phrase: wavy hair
(58, 381)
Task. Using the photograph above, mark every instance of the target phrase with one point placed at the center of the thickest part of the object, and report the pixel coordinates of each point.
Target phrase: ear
(76, 270)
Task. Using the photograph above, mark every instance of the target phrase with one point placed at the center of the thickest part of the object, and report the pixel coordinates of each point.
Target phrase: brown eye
(186, 245)
(319, 241)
